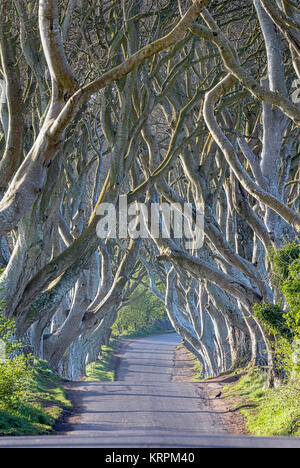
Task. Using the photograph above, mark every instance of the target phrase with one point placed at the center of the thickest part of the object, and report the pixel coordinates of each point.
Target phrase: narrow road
(144, 408)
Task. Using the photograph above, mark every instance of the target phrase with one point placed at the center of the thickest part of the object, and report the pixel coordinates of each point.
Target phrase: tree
(172, 102)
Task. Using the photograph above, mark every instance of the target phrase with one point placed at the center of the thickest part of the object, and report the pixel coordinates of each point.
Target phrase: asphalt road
(145, 409)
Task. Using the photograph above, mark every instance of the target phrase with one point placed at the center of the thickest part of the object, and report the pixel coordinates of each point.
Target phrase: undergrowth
(44, 404)
(268, 412)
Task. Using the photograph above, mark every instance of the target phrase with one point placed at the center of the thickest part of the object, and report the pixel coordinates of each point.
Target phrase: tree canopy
(161, 102)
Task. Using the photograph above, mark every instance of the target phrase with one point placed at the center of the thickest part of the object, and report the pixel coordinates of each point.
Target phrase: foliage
(286, 270)
(285, 324)
(44, 404)
(14, 382)
(283, 258)
(273, 317)
(31, 396)
(291, 290)
(141, 315)
(15, 371)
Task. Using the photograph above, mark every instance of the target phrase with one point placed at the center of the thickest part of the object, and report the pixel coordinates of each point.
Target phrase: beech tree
(165, 101)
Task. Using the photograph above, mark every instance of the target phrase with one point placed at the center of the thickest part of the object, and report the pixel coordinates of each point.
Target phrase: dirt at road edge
(207, 390)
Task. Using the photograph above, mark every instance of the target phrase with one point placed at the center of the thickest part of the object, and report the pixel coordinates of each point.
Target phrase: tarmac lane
(144, 408)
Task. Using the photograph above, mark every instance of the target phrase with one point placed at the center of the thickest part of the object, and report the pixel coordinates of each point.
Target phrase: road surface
(145, 409)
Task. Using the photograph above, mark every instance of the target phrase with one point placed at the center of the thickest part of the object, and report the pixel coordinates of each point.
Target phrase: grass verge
(268, 412)
(197, 367)
(103, 370)
(45, 403)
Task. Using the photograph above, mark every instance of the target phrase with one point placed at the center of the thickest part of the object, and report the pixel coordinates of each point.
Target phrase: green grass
(103, 370)
(197, 368)
(268, 412)
(43, 406)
